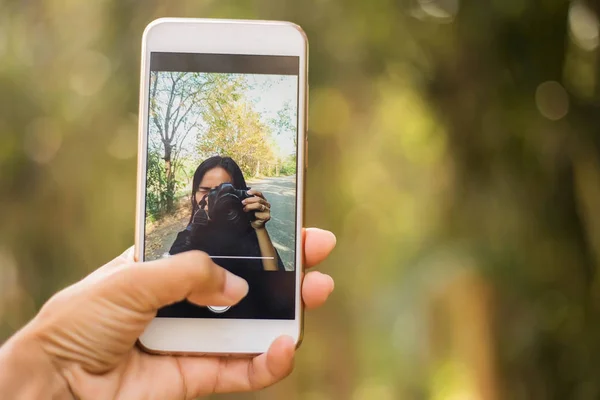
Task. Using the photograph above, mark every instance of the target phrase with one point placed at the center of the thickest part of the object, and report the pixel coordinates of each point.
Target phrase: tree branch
(153, 103)
(174, 81)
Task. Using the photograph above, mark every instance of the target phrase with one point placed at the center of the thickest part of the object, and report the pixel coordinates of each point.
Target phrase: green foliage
(284, 123)
(288, 166)
(159, 192)
(235, 129)
(176, 103)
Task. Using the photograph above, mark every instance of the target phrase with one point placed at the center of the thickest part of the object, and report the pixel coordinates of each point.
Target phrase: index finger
(256, 193)
(318, 244)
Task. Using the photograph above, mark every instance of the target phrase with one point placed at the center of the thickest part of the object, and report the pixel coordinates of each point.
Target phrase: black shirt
(271, 293)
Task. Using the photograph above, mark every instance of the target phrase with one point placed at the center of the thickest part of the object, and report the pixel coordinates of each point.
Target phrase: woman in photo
(236, 235)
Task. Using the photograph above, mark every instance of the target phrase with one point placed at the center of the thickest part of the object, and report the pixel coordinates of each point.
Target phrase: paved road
(281, 193)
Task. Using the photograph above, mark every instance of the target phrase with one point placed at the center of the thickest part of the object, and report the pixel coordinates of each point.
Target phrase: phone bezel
(222, 336)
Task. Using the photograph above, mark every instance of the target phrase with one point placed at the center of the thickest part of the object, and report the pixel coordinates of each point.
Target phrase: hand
(85, 335)
(260, 206)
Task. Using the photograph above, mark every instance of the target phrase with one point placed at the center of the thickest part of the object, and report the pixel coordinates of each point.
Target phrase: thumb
(146, 287)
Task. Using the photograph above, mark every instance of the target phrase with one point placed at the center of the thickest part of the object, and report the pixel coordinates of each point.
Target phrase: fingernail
(236, 288)
(325, 231)
(288, 341)
(333, 237)
(285, 344)
(329, 233)
(331, 284)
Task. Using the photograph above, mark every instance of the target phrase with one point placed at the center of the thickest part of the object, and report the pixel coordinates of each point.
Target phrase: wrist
(28, 372)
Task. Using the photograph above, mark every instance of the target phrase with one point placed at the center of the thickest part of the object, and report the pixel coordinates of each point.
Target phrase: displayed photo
(221, 168)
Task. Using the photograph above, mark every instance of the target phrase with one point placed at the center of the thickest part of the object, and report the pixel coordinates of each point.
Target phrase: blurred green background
(454, 150)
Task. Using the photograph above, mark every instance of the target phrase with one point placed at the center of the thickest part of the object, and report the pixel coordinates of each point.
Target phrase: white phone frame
(184, 35)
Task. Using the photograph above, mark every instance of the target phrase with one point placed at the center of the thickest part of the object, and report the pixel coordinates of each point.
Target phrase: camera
(224, 220)
(225, 207)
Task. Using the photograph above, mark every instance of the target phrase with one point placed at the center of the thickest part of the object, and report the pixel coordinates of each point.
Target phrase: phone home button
(218, 309)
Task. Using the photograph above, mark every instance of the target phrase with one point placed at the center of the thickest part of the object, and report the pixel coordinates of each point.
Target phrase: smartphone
(222, 150)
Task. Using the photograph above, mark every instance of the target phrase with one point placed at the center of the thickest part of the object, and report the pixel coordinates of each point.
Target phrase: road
(281, 193)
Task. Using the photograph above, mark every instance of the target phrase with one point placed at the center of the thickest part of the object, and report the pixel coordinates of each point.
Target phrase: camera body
(225, 209)
(225, 206)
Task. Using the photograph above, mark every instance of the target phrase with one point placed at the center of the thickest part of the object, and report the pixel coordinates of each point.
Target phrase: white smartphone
(222, 144)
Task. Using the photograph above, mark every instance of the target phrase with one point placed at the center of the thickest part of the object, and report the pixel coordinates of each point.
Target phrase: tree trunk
(170, 189)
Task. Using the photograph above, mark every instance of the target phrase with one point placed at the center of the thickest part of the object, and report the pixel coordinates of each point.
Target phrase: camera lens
(225, 207)
(227, 210)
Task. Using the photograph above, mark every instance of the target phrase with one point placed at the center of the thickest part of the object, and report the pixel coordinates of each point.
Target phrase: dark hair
(227, 164)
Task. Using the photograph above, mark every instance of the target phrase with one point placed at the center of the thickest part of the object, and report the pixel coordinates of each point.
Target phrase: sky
(271, 92)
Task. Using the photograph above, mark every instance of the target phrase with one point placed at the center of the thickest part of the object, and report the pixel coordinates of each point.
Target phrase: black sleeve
(181, 243)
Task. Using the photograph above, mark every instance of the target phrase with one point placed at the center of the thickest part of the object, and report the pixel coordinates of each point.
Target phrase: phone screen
(221, 173)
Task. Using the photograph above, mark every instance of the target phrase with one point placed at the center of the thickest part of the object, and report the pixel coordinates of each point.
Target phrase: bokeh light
(583, 25)
(552, 100)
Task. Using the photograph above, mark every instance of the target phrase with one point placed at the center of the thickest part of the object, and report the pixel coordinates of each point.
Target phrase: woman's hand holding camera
(262, 208)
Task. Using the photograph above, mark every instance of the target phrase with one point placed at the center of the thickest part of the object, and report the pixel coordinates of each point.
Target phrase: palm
(140, 376)
(109, 365)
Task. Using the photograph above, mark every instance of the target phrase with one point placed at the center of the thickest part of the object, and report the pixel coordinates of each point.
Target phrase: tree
(233, 128)
(288, 166)
(176, 103)
(156, 195)
(285, 122)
